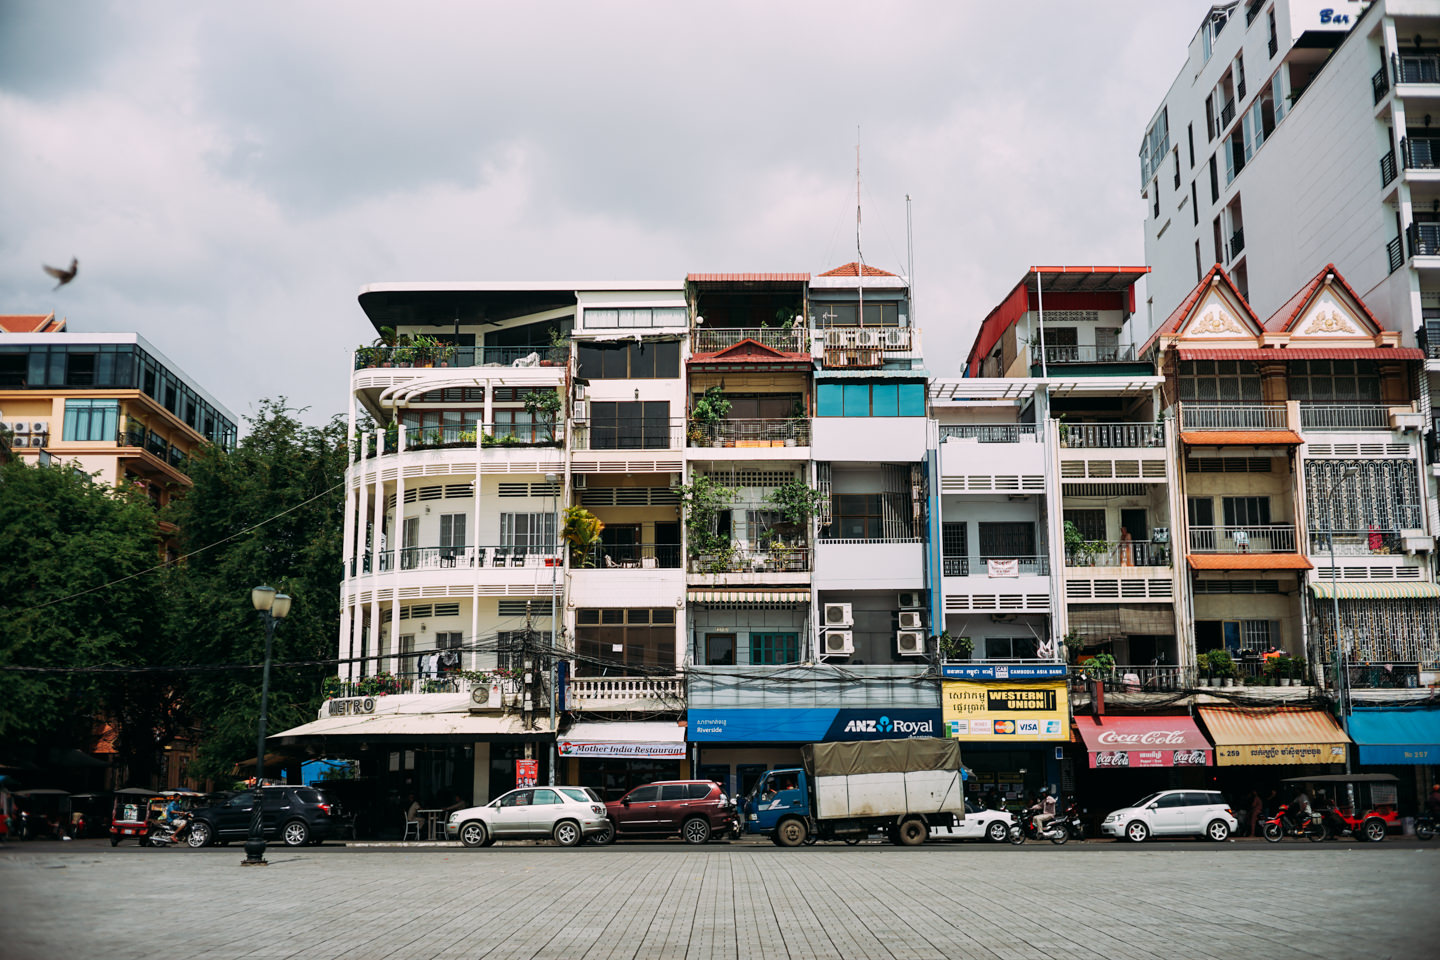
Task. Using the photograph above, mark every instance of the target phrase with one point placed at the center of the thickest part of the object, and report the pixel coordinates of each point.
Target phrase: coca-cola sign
(1118, 758)
(1189, 758)
(1147, 738)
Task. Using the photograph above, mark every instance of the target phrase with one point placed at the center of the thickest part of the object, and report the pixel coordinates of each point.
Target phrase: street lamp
(552, 673)
(273, 608)
(1342, 661)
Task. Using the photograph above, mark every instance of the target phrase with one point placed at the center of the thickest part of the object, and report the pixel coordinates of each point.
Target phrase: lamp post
(1342, 680)
(552, 671)
(273, 608)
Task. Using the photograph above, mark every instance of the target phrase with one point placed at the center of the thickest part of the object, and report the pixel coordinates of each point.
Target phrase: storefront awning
(1400, 736)
(1273, 735)
(1324, 590)
(648, 740)
(1130, 742)
(454, 726)
(713, 597)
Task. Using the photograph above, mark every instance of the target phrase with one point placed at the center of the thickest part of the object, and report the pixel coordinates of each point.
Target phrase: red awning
(1301, 353)
(747, 278)
(1144, 742)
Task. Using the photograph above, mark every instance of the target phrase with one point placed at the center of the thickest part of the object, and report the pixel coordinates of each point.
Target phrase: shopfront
(613, 758)
(1128, 757)
(1257, 747)
(1404, 741)
(1012, 721)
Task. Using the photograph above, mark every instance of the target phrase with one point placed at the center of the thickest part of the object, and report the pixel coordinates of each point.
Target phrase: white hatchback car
(566, 815)
(979, 824)
(1173, 813)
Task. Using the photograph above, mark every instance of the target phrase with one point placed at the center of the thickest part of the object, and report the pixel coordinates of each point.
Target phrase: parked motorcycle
(1424, 827)
(1283, 824)
(1070, 817)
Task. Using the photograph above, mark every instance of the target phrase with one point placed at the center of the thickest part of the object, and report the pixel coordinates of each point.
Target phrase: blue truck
(849, 790)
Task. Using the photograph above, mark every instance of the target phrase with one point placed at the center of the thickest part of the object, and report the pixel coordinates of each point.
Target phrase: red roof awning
(1240, 438)
(1301, 353)
(1248, 561)
(1144, 742)
(747, 278)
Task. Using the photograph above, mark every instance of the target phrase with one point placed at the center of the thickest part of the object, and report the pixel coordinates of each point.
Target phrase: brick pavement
(1092, 900)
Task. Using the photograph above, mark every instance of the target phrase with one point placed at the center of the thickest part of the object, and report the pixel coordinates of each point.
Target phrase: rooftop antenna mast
(859, 256)
(910, 257)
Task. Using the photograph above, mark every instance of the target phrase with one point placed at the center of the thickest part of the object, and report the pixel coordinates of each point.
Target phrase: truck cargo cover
(879, 756)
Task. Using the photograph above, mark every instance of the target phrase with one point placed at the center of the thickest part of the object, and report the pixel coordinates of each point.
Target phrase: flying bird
(64, 276)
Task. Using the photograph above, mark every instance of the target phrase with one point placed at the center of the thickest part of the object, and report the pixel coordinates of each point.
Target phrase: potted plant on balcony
(559, 352)
(706, 415)
(701, 502)
(1101, 666)
(581, 531)
(544, 407)
(1222, 668)
(795, 427)
(955, 648)
(330, 687)
(385, 344)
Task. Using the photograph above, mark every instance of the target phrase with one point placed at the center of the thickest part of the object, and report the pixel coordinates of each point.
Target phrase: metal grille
(1403, 630)
(1384, 494)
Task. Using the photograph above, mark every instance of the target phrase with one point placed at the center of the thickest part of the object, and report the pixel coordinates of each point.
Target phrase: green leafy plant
(581, 530)
(708, 412)
(559, 345)
(331, 687)
(1100, 666)
(544, 406)
(955, 648)
(1221, 665)
(701, 502)
(796, 502)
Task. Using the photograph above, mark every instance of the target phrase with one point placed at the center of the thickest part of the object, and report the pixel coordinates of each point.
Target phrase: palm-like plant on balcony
(581, 531)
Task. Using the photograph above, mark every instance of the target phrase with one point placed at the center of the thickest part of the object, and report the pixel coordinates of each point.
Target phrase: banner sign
(1229, 755)
(624, 750)
(811, 725)
(1002, 671)
(1153, 741)
(1006, 713)
(1003, 568)
(526, 772)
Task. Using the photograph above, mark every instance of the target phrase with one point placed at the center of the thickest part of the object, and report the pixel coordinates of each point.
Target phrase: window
(1195, 216)
(535, 531)
(870, 399)
(878, 313)
(774, 648)
(546, 796)
(91, 420)
(638, 425)
(1007, 540)
(1246, 511)
(520, 425)
(609, 317)
(1198, 273)
(448, 640)
(648, 360)
(1090, 523)
(674, 791)
(419, 422)
(1011, 648)
(452, 530)
(1214, 181)
(953, 540)
(1190, 140)
(644, 795)
(611, 642)
(719, 649)
(1334, 381)
(858, 516)
(1222, 381)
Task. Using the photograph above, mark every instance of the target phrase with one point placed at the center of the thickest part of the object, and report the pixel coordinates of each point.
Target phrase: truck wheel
(790, 833)
(912, 833)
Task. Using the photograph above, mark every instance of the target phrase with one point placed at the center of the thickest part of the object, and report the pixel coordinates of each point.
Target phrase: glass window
(629, 361)
(1007, 540)
(857, 516)
(91, 420)
(546, 796)
(857, 399)
(643, 795)
(517, 798)
(675, 791)
(1246, 511)
(642, 425)
(720, 649)
(533, 530)
(774, 648)
(829, 400)
(912, 399)
(884, 400)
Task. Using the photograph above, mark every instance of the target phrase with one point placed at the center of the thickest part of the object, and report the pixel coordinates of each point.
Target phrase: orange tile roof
(1240, 438)
(1284, 318)
(1301, 353)
(749, 350)
(30, 323)
(852, 269)
(1180, 314)
(1248, 561)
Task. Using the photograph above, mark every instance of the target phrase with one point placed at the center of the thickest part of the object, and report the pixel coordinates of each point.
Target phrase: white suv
(565, 814)
(1173, 813)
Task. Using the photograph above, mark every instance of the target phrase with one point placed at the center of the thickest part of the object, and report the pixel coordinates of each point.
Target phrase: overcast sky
(229, 175)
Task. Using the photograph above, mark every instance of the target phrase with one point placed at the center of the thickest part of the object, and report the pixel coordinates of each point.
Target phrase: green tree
(288, 477)
(63, 537)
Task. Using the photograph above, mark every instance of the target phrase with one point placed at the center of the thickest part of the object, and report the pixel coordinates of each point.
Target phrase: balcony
(488, 435)
(1119, 553)
(1389, 675)
(1228, 417)
(1395, 253)
(448, 356)
(1380, 84)
(1361, 543)
(1133, 678)
(1227, 113)
(1093, 436)
(989, 432)
(1270, 538)
(1237, 243)
(625, 693)
(1420, 153)
(384, 683)
(792, 432)
(754, 558)
(1060, 354)
(1415, 67)
(995, 566)
(629, 434)
(632, 556)
(783, 339)
(878, 564)
(1344, 417)
(1424, 239)
(1387, 169)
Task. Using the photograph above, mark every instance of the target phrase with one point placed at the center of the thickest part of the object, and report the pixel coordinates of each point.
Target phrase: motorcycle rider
(1329, 816)
(1299, 810)
(1044, 811)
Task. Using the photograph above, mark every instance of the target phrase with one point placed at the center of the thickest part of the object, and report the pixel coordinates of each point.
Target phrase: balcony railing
(1416, 67)
(444, 680)
(1380, 84)
(754, 558)
(1387, 169)
(489, 435)
(1356, 543)
(547, 356)
(1424, 239)
(988, 432)
(1227, 113)
(1077, 436)
(1273, 46)
(441, 558)
(632, 556)
(610, 693)
(157, 445)
(1390, 675)
(1237, 243)
(629, 434)
(783, 339)
(1395, 252)
(794, 432)
(1133, 678)
(1119, 553)
(1272, 538)
(131, 437)
(1233, 416)
(1118, 353)
(1420, 153)
(995, 566)
(887, 339)
(1341, 416)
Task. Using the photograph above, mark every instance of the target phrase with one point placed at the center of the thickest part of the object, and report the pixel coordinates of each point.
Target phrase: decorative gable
(752, 351)
(1330, 316)
(1215, 319)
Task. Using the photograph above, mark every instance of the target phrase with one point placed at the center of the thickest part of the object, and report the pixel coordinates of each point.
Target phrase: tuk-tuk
(44, 814)
(137, 808)
(1375, 812)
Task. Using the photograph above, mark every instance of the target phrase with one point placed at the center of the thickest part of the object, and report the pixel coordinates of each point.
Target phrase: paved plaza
(741, 900)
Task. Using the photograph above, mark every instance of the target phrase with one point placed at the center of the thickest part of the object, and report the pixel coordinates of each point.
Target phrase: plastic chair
(408, 825)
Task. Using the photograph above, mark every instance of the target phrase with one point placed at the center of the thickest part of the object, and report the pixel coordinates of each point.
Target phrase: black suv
(296, 815)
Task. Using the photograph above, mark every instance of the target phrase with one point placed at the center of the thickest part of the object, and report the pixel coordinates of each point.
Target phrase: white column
(478, 551)
(377, 513)
(399, 539)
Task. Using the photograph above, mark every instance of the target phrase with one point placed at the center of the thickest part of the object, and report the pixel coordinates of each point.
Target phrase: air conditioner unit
(911, 620)
(26, 442)
(582, 409)
(912, 599)
(838, 615)
(577, 480)
(867, 338)
(837, 643)
(21, 427)
(895, 337)
(581, 391)
(910, 643)
(40, 426)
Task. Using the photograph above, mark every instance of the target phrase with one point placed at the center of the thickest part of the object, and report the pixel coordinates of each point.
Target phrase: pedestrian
(455, 803)
(1257, 811)
(1432, 802)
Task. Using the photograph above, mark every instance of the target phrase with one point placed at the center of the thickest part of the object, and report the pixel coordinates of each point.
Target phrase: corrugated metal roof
(1323, 590)
(748, 596)
(1301, 353)
(1240, 438)
(1273, 735)
(1248, 561)
(747, 278)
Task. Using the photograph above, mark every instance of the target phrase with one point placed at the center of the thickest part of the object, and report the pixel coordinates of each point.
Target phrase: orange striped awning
(1248, 561)
(1240, 438)
(1273, 735)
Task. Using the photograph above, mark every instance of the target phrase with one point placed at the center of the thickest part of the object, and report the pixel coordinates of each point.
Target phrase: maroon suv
(696, 810)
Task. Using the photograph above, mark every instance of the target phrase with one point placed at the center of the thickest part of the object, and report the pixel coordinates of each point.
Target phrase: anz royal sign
(810, 725)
